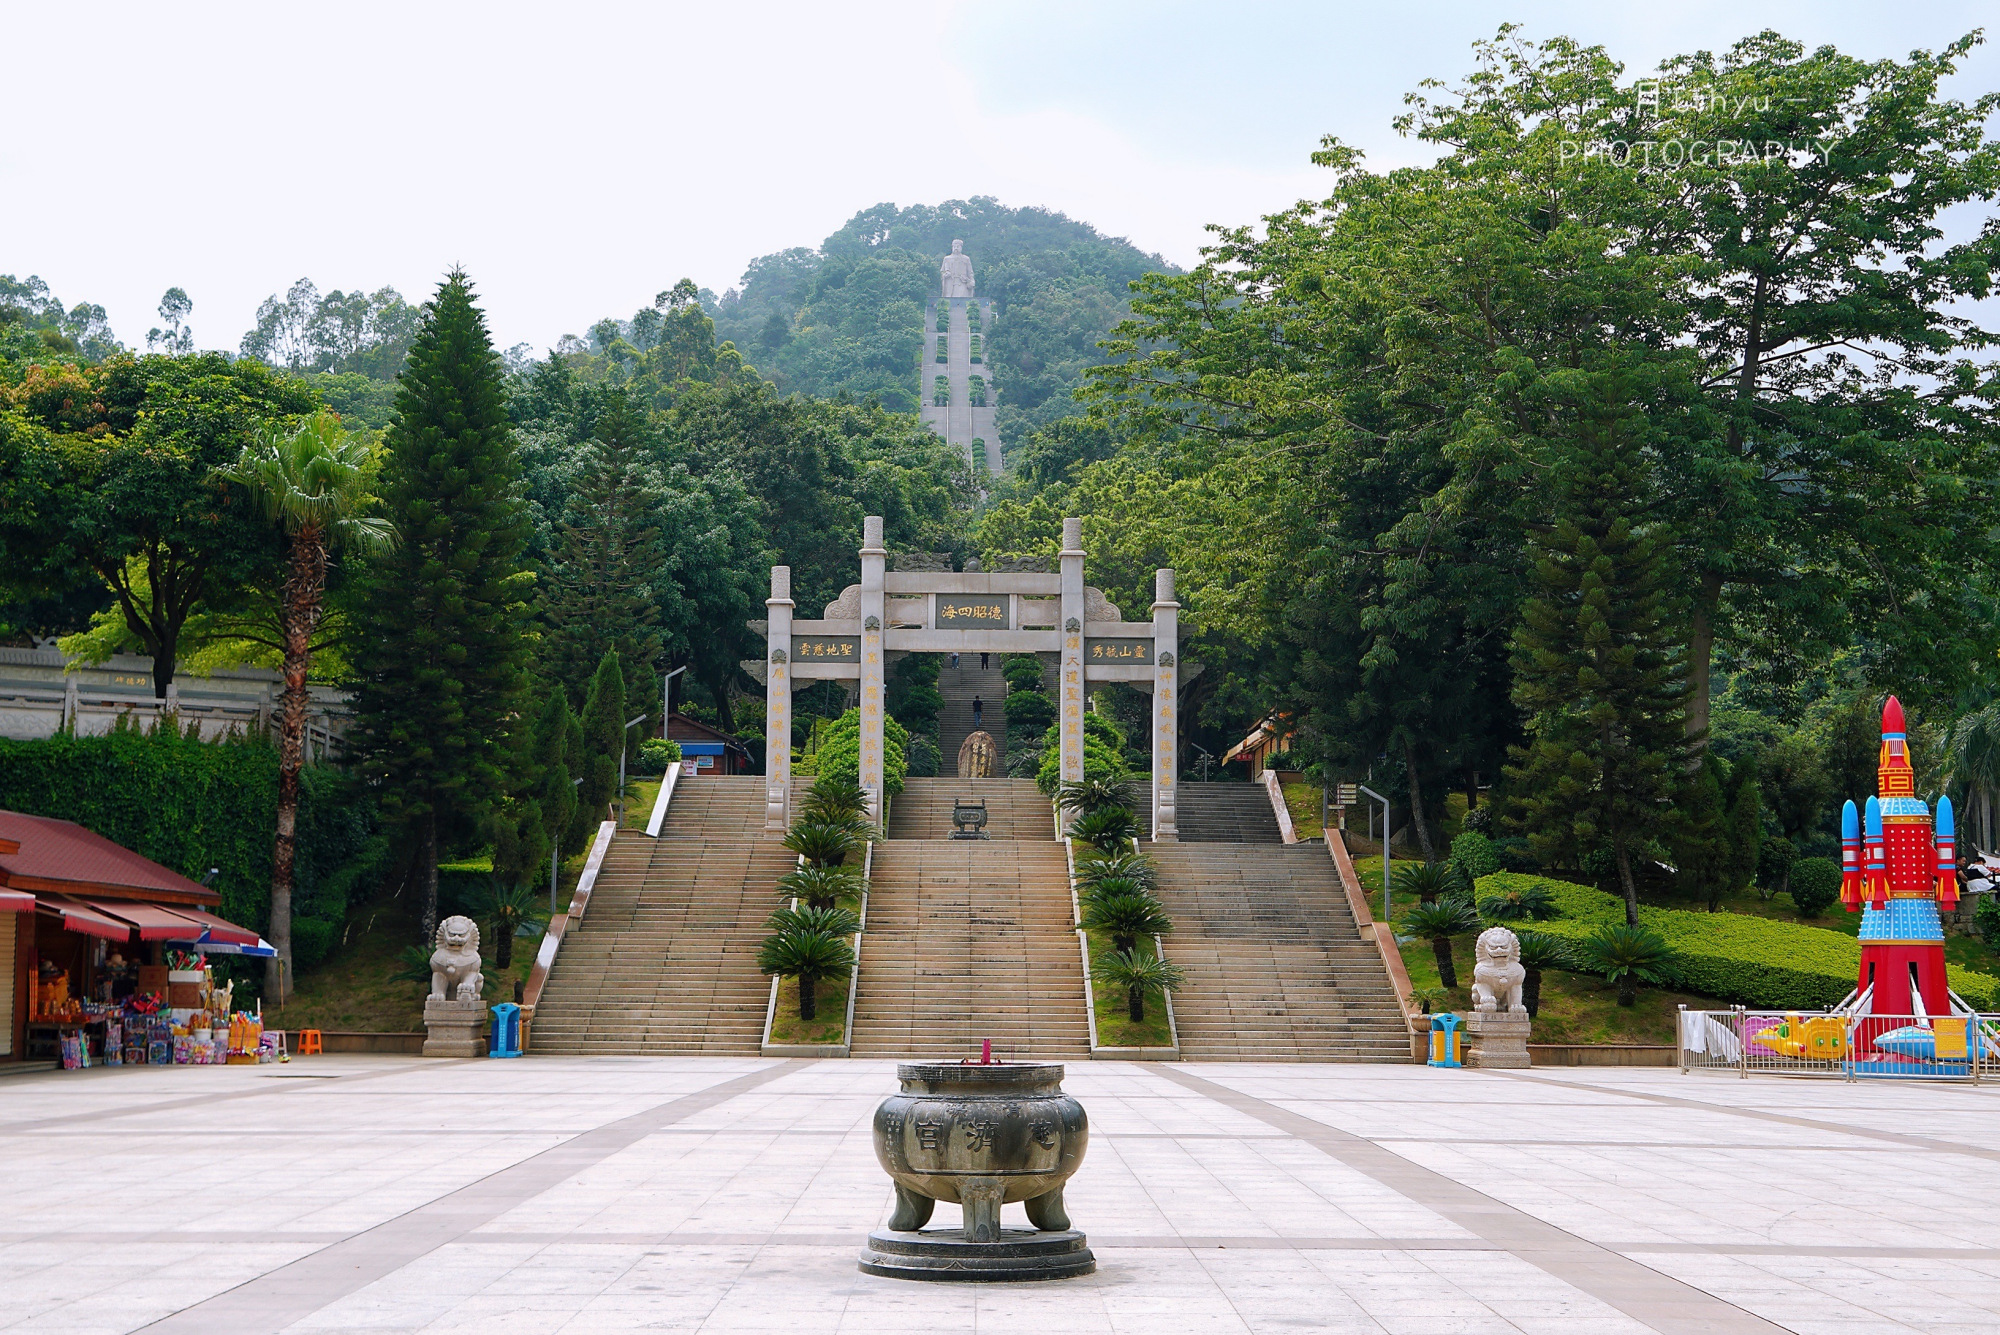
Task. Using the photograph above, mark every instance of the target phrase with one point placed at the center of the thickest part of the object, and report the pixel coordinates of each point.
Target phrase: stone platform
(947, 1254)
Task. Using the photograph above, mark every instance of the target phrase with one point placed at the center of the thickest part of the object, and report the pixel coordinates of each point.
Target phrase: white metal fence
(1744, 1041)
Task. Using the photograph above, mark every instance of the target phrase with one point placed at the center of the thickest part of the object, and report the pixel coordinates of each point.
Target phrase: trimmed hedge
(1733, 957)
(840, 751)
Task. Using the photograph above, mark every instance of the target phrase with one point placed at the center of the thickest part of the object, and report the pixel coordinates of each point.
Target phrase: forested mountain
(848, 317)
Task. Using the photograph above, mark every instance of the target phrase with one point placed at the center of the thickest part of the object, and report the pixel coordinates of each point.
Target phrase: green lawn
(1115, 1028)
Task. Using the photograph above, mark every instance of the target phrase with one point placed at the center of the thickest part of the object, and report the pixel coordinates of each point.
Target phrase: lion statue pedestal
(454, 1014)
(1497, 1029)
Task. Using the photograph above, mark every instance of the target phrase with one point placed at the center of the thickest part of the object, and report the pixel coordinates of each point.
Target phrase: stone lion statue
(455, 962)
(1497, 977)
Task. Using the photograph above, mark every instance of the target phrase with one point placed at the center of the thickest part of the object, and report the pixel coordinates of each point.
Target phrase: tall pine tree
(443, 664)
(600, 595)
(603, 735)
(1596, 667)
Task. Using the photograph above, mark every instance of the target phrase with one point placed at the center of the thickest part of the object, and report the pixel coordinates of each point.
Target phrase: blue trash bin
(506, 1040)
(1447, 1040)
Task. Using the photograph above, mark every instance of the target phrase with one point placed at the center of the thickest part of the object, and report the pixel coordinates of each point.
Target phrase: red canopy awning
(219, 929)
(155, 923)
(16, 901)
(80, 917)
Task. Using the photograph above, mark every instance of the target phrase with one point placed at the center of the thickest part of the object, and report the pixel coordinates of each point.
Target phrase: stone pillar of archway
(1071, 716)
(778, 702)
(1166, 706)
(874, 559)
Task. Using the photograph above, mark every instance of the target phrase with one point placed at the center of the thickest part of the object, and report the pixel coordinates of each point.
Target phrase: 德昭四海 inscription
(954, 613)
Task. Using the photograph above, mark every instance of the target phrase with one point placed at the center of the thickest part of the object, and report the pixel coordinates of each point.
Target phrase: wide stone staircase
(959, 686)
(970, 940)
(1226, 813)
(1015, 808)
(1276, 968)
(665, 961)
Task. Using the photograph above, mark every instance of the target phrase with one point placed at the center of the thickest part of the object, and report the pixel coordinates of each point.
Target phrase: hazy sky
(577, 158)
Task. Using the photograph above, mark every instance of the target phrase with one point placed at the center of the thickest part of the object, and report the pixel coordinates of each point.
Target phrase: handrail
(1082, 942)
(667, 783)
(545, 954)
(1276, 792)
(1382, 934)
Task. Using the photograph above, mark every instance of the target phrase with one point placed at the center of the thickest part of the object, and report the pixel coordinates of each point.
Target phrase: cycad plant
(1540, 951)
(1126, 918)
(1138, 975)
(1110, 887)
(1094, 794)
(834, 800)
(1108, 829)
(311, 480)
(1425, 881)
(1628, 956)
(1526, 903)
(505, 910)
(807, 956)
(827, 922)
(1438, 922)
(821, 887)
(823, 844)
(1134, 867)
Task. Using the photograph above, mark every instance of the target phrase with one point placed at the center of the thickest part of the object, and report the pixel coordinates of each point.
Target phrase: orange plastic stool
(308, 1042)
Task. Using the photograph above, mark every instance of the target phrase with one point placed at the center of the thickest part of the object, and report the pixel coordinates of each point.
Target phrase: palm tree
(808, 957)
(1438, 922)
(1531, 900)
(1425, 881)
(834, 800)
(1539, 951)
(505, 910)
(1972, 759)
(1137, 974)
(311, 481)
(1110, 887)
(828, 922)
(1627, 955)
(1127, 918)
(1134, 867)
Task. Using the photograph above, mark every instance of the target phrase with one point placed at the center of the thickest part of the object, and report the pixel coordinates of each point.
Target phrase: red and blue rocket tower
(1897, 872)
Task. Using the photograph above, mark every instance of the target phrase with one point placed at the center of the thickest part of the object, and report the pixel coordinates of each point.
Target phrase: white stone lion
(1497, 977)
(455, 962)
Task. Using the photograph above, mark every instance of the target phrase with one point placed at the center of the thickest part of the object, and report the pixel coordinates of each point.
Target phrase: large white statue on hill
(957, 271)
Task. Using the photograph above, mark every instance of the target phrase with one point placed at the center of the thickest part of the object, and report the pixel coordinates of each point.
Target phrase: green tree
(1699, 833)
(1796, 788)
(443, 655)
(312, 482)
(599, 596)
(1596, 669)
(603, 740)
(1438, 922)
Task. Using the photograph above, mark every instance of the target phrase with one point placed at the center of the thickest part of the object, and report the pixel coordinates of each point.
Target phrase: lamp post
(629, 725)
(666, 699)
(1385, 849)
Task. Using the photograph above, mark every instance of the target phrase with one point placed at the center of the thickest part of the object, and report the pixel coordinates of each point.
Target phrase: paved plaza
(608, 1194)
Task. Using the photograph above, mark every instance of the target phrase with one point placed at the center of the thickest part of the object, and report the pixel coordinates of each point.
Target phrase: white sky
(578, 158)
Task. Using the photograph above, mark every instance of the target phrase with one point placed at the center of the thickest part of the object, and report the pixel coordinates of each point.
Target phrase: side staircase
(970, 940)
(1277, 969)
(665, 962)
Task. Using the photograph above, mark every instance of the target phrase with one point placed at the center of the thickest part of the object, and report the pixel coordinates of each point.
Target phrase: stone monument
(1497, 1030)
(454, 1014)
(981, 1134)
(956, 271)
(975, 756)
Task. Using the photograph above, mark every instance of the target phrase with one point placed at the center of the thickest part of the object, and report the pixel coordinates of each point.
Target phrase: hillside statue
(1498, 975)
(957, 271)
(455, 962)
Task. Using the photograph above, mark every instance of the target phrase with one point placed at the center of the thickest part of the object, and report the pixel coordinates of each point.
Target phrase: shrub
(840, 750)
(1023, 673)
(1815, 885)
(821, 887)
(1427, 880)
(1478, 820)
(1136, 868)
(1103, 753)
(1138, 975)
(1986, 920)
(1775, 857)
(822, 844)
(1516, 856)
(313, 939)
(808, 957)
(1736, 957)
(1029, 709)
(1094, 795)
(1627, 956)
(834, 799)
(925, 758)
(830, 920)
(656, 754)
(1474, 854)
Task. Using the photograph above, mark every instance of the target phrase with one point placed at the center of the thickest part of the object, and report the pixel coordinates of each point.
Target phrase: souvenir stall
(110, 953)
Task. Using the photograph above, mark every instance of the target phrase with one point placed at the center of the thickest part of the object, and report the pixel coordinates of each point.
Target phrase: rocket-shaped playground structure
(1897, 871)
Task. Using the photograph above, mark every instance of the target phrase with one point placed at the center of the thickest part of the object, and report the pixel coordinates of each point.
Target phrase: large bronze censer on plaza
(981, 1134)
